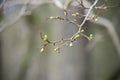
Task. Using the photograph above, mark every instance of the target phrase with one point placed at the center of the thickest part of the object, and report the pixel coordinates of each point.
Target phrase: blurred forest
(21, 22)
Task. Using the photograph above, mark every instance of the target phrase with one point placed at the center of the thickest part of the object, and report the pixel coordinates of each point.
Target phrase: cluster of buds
(81, 32)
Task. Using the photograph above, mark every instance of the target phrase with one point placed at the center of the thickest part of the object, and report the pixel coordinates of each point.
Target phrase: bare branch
(86, 17)
(65, 42)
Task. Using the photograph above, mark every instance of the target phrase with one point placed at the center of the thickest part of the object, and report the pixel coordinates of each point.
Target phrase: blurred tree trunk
(1, 60)
(20, 47)
(1, 57)
(20, 58)
(105, 60)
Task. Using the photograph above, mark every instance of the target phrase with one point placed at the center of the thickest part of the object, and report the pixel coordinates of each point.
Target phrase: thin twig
(81, 25)
(86, 17)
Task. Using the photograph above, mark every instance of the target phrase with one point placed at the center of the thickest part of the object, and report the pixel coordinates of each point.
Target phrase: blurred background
(20, 57)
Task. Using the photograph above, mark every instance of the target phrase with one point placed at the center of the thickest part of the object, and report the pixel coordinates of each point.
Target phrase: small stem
(86, 17)
(73, 22)
(64, 42)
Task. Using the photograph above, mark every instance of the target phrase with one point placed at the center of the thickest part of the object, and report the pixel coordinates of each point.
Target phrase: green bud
(57, 50)
(57, 17)
(73, 14)
(51, 17)
(42, 49)
(77, 36)
(82, 30)
(71, 44)
(90, 36)
(65, 13)
(94, 17)
(45, 37)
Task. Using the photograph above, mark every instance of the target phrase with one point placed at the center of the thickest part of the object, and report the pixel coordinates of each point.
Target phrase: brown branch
(73, 38)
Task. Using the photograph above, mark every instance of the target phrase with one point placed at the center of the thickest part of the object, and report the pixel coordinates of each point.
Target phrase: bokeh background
(20, 57)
